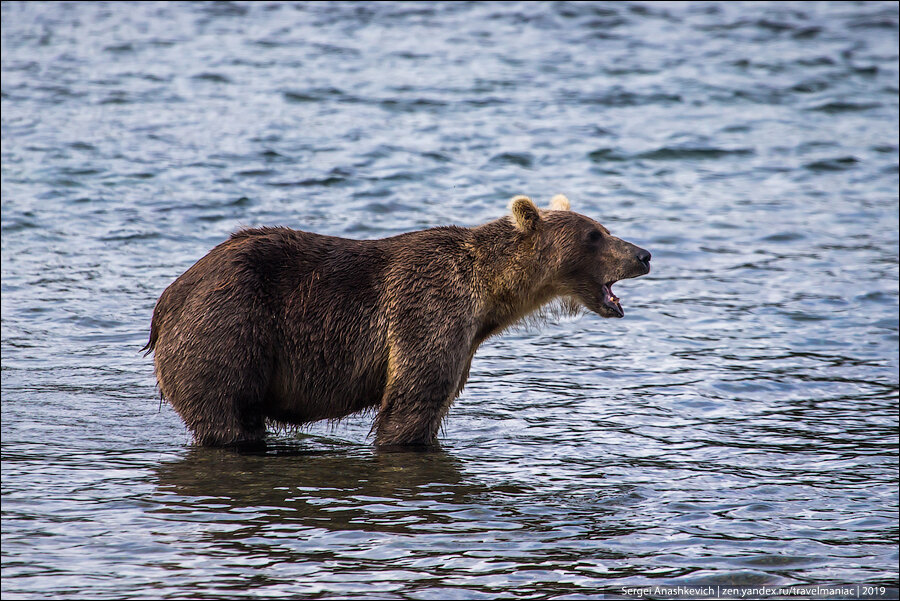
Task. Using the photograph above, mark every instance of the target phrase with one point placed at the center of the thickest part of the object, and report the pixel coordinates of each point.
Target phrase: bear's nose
(644, 257)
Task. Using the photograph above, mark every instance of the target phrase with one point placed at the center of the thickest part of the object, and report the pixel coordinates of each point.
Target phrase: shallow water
(739, 426)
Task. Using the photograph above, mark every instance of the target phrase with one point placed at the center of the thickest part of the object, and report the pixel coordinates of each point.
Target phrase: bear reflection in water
(288, 327)
(341, 488)
(257, 478)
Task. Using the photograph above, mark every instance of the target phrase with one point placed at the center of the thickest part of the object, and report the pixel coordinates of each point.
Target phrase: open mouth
(611, 301)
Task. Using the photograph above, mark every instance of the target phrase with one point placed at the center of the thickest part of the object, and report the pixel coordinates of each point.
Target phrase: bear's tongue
(611, 301)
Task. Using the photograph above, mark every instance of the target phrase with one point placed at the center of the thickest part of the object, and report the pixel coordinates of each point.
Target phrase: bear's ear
(525, 214)
(560, 203)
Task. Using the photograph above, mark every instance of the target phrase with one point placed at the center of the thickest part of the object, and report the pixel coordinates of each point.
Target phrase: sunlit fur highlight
(560, 203)
(524, 212)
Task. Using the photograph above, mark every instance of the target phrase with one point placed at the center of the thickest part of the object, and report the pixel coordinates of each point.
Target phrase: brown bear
(289, 327)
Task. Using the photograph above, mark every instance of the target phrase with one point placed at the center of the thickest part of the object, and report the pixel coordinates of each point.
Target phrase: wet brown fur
(289, 327)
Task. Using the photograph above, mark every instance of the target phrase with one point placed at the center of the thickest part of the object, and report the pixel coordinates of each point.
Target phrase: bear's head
(581, 260)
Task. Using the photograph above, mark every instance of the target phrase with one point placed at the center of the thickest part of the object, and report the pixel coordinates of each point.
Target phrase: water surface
(739, 426)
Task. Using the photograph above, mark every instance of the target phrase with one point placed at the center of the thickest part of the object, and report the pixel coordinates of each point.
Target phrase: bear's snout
(633, 261)
(644, 257)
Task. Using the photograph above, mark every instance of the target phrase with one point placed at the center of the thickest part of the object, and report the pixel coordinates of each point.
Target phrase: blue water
(739, 426)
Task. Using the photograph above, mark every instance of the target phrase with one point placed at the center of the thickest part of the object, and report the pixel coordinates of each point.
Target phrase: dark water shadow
(299, 504)
(357, 488)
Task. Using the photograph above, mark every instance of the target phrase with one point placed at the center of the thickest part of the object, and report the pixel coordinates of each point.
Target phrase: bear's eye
(594, 236)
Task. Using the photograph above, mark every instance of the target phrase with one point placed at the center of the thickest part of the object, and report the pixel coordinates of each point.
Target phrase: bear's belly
(300, 396)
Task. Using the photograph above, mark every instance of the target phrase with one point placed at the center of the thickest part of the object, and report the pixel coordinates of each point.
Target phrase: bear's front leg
(408, 417)
(416, 398)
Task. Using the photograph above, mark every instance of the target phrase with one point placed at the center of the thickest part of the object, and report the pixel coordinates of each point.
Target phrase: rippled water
(738, 426)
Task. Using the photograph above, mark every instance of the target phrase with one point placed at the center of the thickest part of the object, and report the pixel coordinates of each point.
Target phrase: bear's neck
(511, 274)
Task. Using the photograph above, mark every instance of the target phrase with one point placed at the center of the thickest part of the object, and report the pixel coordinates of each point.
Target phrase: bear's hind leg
(217, 389)
(224, 414)
(233, 428)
